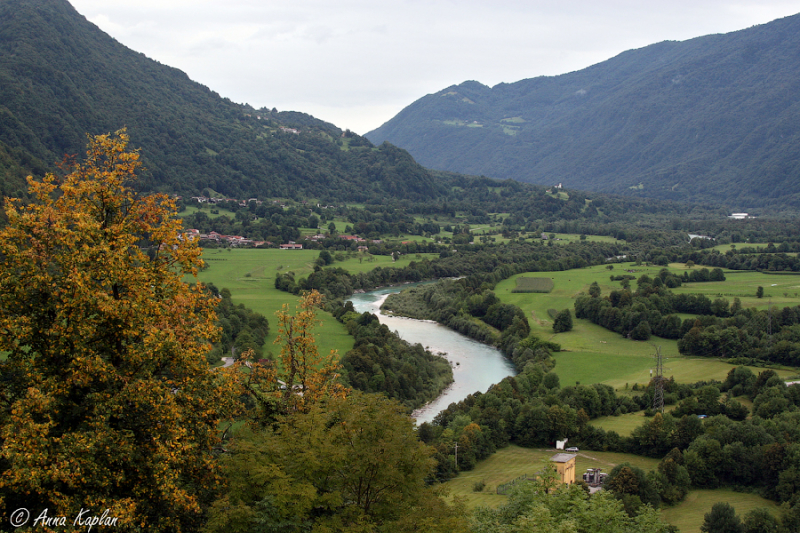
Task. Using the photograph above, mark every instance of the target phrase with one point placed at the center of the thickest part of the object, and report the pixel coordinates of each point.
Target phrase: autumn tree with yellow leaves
(106, 399)
(319, 457)
(302, 377)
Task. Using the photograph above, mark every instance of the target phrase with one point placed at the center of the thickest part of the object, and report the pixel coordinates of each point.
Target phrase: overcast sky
(357, 63)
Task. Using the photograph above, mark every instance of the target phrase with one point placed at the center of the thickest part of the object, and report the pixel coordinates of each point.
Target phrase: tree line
(381, 362)
(719, 329)
(728, 448)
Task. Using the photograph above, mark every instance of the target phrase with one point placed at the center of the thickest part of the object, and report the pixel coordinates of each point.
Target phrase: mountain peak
(715, 118)
(62, 78)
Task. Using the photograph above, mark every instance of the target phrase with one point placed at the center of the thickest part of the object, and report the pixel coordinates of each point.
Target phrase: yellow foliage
(106, 399)
(304, 378)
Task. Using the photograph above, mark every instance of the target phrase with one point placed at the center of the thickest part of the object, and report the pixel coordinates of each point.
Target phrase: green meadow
(722, 248)
(689, 514)
(592, 354)
(250, 276)
(207, 209)
(625, 424)
(780, 290)
(567, 238)
(249, 273)
(512, 462)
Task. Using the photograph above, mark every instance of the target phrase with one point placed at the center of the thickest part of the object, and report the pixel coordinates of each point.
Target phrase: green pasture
(556, 193)
(206, 208)
(250, 276)
(354, 263)
(624, 424)
(781, 290)
(249, 273)
(722, 248)
(689, 514)
(567, 238)
(513, 461)
(592, 354)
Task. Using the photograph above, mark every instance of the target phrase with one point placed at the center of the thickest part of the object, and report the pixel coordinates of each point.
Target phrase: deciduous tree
(106, 399)
(563, 321)
(722, 519)
(303, 377)
(345, 464)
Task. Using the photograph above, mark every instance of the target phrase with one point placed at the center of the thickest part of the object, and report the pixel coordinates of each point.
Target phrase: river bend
(476, 366)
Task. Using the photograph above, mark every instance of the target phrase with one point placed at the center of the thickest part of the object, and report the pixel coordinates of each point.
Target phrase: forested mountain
(61, 77)
(715, 118)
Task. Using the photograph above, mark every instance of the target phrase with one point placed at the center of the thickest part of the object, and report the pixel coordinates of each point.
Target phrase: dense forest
(61, 77)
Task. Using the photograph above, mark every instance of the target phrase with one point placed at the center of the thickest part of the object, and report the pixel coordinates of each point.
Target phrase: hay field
(593, 354)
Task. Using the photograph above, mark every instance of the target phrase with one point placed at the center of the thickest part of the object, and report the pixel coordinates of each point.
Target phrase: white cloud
(356, 63)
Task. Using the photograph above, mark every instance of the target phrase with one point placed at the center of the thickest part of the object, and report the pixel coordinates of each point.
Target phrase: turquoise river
(476, 366)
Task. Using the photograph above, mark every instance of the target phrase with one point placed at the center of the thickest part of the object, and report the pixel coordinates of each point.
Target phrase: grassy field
(779, 290)
(722, 248)
(625, 424)
(513, 461)
(593, 354)
(688, 515)
(250, 275)
(566, 238)
(191, 209)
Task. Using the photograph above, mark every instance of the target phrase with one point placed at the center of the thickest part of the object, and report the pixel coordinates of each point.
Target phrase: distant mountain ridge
(715, 118)
(61, 78)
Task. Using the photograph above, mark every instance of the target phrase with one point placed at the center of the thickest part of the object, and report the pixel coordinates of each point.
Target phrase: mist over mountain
(712, 119)
(62, 78)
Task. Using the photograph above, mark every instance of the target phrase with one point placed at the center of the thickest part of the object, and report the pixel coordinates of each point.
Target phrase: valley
(590, 230)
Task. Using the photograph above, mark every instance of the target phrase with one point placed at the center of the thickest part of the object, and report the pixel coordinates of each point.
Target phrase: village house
(353, 238)
(565, 466)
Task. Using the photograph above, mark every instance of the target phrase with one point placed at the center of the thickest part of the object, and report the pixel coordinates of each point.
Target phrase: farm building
(565, 466)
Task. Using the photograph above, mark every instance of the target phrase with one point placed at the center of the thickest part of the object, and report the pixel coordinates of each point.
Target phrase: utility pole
(456, 446)
(769, 323)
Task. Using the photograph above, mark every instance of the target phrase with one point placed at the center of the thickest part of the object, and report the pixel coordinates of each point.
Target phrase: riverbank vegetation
(446, 300)
(382, 362)
(474, 296)
(293, 438)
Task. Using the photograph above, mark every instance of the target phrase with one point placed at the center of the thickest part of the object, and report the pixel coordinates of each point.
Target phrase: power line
(658, 397)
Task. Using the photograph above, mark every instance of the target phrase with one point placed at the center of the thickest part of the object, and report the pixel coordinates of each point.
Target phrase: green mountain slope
(61, 77)
(711, 119)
